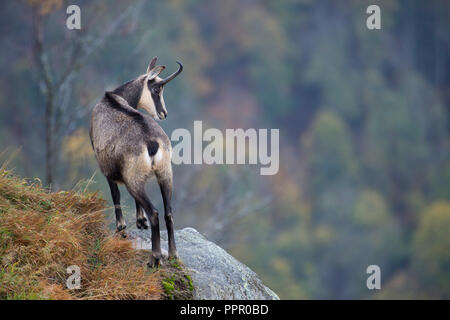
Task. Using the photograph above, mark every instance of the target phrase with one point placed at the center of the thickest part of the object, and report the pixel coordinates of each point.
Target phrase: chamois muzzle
(162, 115)
(173, 75)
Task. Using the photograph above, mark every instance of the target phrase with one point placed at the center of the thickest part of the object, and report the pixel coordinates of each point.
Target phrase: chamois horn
(173, 75)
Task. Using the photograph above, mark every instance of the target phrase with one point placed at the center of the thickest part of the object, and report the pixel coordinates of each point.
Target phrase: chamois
(131, 147)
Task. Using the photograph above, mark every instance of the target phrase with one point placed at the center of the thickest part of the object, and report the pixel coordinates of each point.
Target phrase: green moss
(176, 281)
(189, 281)
(175, 263)
(169, 287)
(45, 205)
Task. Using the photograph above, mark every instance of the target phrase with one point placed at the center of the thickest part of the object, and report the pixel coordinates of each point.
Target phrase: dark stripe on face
(155, 92)
(158, 105)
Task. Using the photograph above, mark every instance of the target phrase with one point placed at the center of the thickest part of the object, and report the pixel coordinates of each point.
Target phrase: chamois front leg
(115, 194)
(141, 221)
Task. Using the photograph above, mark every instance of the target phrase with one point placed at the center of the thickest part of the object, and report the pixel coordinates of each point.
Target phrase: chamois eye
(156, 90)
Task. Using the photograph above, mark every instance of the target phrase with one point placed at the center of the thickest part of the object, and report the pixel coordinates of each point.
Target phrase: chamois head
(152, 99)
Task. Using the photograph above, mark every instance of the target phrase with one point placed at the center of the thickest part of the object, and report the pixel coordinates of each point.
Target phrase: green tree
(431, 249)
(329, 153)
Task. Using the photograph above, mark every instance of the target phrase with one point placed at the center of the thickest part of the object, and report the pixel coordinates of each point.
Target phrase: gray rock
(215, 274)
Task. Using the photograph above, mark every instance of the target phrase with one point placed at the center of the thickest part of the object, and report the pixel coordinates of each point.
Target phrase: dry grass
(42, 233)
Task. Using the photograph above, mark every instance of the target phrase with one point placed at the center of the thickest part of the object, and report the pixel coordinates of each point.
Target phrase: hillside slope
(41, 234)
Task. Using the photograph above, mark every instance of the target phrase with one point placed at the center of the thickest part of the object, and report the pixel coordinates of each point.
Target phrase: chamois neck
(131, 91)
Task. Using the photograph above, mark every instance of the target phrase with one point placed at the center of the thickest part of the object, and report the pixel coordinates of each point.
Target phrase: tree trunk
(46, 76)
(49, 142)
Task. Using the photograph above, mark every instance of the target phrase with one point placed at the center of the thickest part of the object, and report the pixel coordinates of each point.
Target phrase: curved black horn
(173, 75)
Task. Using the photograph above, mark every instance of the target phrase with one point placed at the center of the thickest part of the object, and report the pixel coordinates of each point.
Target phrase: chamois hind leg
(142, 199)
(141, 221)
(115, 194)
(165, 185)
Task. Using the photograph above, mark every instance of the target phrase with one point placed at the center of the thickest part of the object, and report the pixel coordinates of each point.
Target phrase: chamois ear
(153, 73)
(152, 64)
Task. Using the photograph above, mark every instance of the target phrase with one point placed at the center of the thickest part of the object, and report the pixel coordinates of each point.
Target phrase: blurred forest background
(363, 115)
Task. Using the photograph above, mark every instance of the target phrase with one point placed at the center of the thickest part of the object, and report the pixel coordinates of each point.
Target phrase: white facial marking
(163, 103)
(146, 101)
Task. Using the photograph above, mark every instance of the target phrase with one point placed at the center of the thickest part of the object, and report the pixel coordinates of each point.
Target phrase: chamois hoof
(120, 226)
(154, 262)
(141, 224)
(174, 255)
(120, 229)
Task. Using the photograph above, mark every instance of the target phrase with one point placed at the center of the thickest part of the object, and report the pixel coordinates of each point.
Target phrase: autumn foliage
(42, 233)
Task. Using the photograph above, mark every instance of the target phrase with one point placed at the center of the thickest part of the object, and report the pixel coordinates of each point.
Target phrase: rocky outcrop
(215, 274)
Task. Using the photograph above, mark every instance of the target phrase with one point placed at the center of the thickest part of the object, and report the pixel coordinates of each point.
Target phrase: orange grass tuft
(42, 233)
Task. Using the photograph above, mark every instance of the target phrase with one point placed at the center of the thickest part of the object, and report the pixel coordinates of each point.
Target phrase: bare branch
(86, 46)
